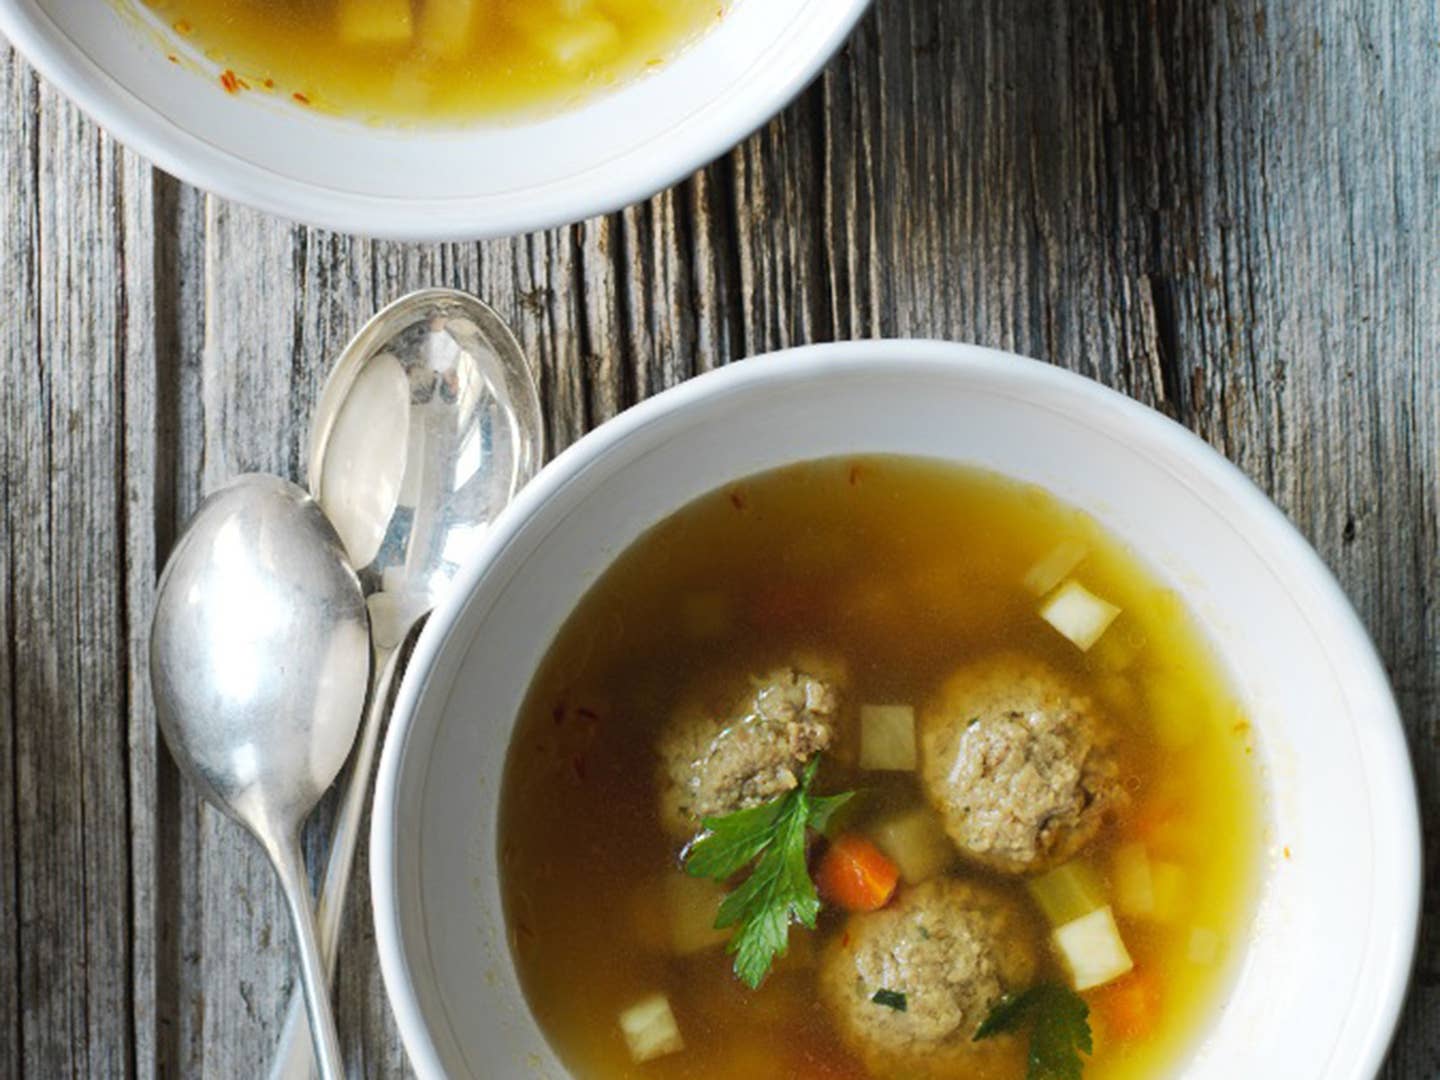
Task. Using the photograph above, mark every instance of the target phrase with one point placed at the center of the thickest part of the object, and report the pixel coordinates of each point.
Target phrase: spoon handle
(293, 1059)
(290, 866)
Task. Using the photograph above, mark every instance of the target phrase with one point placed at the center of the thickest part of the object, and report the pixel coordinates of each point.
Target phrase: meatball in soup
(1021, 769)
(714, 762)
(948, 951)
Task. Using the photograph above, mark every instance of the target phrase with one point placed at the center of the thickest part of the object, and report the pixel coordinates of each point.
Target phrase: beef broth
(885, 576)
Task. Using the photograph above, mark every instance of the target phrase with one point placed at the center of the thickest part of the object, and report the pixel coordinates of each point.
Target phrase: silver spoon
(427, 427)
(258, 658)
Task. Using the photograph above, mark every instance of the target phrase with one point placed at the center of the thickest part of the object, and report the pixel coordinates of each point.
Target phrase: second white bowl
(432, 184)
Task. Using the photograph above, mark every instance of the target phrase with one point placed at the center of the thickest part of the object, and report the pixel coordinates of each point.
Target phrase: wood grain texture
(17, 283)
(1225, 210)
(68, 619)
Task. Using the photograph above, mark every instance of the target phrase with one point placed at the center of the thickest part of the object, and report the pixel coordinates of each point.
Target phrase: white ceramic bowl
(431, 184)
(1329, 953)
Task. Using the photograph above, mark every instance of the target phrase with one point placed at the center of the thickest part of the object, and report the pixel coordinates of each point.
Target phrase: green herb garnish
(779, 890)
(891, 999)
(1059, 1033)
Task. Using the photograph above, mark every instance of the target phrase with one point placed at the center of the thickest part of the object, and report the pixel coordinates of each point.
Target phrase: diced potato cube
(1134, 888)
(1079, 614)
(1204, 948)
(916, 843)
(887, 737)
(581, 37)
(1067, 892)
(1055, 566)
(1168, 882)
(445, 25)
(1093, 950)
(691, 905)
(706, 615)
(650, 1029)
(375, 22)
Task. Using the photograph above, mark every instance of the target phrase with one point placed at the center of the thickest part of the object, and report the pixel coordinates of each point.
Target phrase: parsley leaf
(779, 890)
(823, 808)
(730, 842)
(891, 999)
(1060, 1031)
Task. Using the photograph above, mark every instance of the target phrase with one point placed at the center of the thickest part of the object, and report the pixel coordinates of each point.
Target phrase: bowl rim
(1383, 726)
(631, 177)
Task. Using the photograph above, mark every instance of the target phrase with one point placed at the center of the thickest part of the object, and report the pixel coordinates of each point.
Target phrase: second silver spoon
(428, 426)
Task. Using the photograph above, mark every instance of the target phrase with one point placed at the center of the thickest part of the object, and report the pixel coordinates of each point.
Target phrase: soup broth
(435, 59)
(897, 572)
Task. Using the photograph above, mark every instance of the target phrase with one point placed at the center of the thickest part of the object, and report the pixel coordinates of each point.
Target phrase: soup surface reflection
(1085, 819)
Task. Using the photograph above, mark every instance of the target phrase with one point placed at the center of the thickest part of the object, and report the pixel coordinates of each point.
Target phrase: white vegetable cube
(691, 905)
(887, 737)
(445, 25)
(1055, 566)
(581, 35)
(1134, 886)
(650, 1029)
(1093, 950)
(1168, 881)
(1204, 948)
(916, 843)
(586, 42)
(1079, 614)
(1067, 892)
(375, 22)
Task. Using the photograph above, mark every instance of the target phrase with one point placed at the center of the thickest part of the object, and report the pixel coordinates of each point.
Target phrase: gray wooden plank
(68, 624)
(170, 1046)
(17, 336)
(146, 528)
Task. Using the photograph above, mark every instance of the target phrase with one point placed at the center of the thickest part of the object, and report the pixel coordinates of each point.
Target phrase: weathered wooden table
(1230, 211)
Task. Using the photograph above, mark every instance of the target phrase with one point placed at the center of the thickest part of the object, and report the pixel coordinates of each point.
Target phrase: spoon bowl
(428, 425)
(258, 658)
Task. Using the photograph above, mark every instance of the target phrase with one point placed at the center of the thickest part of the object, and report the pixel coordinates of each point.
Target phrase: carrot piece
(1150, 820)
(1129, 1008)
(855, 875)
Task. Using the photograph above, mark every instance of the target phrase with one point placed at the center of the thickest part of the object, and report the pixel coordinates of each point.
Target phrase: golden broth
(906, 569)
(435, 59)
